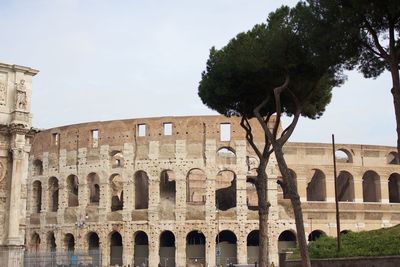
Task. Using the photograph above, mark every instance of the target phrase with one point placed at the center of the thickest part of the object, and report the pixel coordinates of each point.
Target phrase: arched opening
(225, 195)
(72, 189)
(196, 187)
(253, 244)
(116, 192)
(141, 249)
(343, 156)
(167, 249)
(394, 188)
(195, 249)
(345, 185)
(93, 182)
(286, 241)
(35, 243)
(344, 232)
(314, 235)
(116, 249)
(226, 244)
(69, 243)
(51, 242)
(226, 155)
(316, 189)
(251, 193)
(53, 194)
(93, 242)
(371, 187)
(141, 190)
(36, 196)
(167, 186)
(392, 158)
(37, 168)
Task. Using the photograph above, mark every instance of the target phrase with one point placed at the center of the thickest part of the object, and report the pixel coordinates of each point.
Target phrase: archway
(195, 249)
(35, 242)
(51, 242)
(226, 247)
(371, 187)
(69, 243)
(93, 242)
(72, 190)
(141, 190)
(316, 190)
(314, 235)
(116, 249)
(394, 188)
(167, 249)
(93, 182)
(253, 244)
(196, 187)
(53, 194)
(345, 184)
(141, 249)
(116, 192)
(37, 196)
(286, 241)
(225, 195)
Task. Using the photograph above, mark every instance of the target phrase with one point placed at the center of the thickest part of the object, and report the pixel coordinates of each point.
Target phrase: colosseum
(168, 191)
(179, 191)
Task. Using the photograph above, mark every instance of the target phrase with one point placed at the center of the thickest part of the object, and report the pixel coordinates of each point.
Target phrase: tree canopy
(245, 72)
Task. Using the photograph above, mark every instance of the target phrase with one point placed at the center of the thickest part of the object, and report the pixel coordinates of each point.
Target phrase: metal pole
(336, 194)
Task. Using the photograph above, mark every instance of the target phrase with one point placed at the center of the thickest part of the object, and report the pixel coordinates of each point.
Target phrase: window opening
(167, 128)
(225, 131)
(141, 130)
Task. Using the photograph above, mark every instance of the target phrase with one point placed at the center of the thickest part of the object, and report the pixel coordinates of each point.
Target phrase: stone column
(180, 198)
(210, 249)
(241, 198)
(180, 248)
(154, 248)
(241, 249)
(19, 156)
(128, 248)
(384, 186)
(358, 189)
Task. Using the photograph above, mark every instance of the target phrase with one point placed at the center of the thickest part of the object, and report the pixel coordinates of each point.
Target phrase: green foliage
(363, 20)
(382, 242)
(241, 75)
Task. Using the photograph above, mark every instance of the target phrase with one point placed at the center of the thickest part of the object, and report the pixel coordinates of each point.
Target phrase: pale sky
(120, 59)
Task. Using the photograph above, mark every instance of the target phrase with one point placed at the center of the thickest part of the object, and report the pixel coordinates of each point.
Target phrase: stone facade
(159, 190)
(15, 143)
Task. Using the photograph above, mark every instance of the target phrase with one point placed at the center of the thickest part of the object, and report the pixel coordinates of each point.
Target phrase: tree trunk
(263, 210)
(296, 204)
(394, 70)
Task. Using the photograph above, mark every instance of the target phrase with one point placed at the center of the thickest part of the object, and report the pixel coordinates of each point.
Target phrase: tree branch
(277, 94)
(249, 136)
(289, 130)
(375, 38)
(370, 48)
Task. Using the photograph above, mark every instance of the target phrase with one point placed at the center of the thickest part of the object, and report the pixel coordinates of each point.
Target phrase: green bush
(382, 242)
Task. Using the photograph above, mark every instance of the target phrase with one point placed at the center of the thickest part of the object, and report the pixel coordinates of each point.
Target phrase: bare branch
(277, 94)
(289, 130)
(376, 39)
(370, 48)
(249, 136)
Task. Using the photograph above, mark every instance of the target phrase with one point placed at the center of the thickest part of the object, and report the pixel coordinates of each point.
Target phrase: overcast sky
(106, 60)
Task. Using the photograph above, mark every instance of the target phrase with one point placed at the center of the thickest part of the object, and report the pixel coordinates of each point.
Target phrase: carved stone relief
(21, 99)
(3, 89)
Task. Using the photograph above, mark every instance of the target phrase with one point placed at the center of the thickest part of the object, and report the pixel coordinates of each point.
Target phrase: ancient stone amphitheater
(179, 191)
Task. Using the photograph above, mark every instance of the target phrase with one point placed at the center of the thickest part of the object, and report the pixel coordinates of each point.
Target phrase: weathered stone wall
(105, 158)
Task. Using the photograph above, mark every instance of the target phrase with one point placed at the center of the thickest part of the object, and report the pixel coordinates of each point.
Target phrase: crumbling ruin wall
(141, 182)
